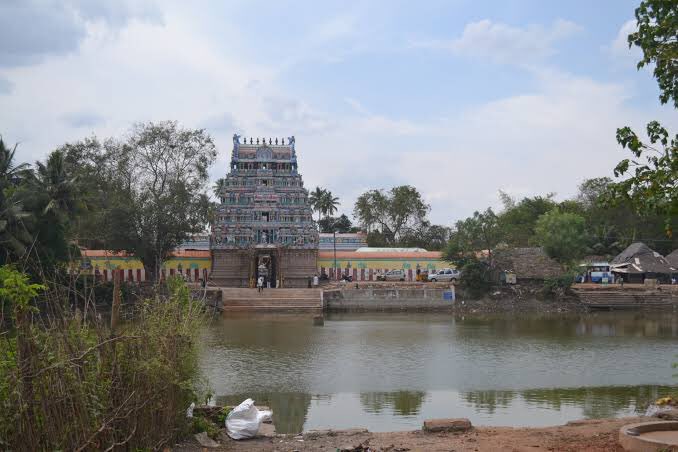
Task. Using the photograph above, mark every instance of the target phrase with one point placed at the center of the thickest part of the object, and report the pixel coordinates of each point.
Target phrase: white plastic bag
(244, 420)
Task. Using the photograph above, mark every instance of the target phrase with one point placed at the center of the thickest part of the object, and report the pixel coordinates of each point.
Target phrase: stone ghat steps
(271, 299)
(237, 292)
(624, 299)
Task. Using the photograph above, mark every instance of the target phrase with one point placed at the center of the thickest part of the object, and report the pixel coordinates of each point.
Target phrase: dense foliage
(340, 224)
(325, 203)
(67, 382)
(569, 230)
(650, 178)
(144, 194)
(397, 217)
(479, 233)
(562, 234)
(657, 37)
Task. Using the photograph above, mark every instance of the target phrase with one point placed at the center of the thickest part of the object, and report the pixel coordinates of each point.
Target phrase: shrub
(475, 278)
(558, 286)
(70, 383)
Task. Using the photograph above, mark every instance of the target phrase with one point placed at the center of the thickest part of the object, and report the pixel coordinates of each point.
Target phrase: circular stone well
(649, 436)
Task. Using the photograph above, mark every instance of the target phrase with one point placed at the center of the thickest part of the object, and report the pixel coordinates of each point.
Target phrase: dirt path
(590, 435)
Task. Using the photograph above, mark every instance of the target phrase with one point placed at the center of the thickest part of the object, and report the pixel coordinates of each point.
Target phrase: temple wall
(297, 266)
(231, 268)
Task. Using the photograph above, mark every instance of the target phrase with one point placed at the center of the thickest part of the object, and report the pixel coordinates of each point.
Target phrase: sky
(458, 98)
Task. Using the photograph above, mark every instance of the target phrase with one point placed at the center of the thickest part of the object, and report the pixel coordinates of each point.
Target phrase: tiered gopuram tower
(264, 223)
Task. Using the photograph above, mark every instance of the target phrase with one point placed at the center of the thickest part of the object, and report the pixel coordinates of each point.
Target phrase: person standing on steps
(315, 281)
(260, 284)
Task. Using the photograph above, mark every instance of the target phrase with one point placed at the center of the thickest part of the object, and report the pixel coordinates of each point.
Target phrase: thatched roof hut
(672, 259)
(527, 263)
(638, 261)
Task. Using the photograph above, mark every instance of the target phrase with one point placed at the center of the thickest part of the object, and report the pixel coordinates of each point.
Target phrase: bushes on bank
(475, 278)
(71, 383)
(558, 286)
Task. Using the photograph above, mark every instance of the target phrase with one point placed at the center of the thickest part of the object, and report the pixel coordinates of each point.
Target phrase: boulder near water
(447, 425)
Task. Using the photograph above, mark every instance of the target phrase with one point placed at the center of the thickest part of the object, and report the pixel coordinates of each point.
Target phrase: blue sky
(458, 98)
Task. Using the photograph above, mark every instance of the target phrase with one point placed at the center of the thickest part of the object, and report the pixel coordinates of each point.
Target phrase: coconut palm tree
(10, 174)
(14, 237)
(329, 203)
(316, 200)
(219, 187)
(55, 182)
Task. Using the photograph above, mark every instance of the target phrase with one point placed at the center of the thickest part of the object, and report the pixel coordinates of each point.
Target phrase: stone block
(668, 415)
(447, 425)
(205, 441)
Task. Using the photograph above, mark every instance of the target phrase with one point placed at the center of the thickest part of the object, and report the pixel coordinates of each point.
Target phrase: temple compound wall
(264, 225)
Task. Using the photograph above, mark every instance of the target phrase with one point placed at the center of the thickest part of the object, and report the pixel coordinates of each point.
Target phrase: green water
(390, 371)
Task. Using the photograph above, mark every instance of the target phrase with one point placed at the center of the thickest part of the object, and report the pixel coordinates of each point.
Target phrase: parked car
(392, 275)
(445, 274)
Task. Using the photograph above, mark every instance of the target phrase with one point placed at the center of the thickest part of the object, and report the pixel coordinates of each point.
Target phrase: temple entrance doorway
(265, 265)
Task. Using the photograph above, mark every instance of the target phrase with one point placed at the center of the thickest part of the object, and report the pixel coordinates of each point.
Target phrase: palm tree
(14, 237)
(218, 187)
(316, 200)
(54, 180)
(10, 174)
(329, 203)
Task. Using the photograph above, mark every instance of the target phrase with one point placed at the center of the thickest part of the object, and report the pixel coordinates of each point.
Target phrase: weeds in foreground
(69, 382)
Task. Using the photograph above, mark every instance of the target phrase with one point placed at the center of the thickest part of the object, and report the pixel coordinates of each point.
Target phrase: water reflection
(402, 403)
(389, 371)
(489, 401)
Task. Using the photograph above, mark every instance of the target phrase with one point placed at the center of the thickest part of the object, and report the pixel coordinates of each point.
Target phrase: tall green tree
(315, 199)
(657, 37)
(341, 224)
(329, 203)
(478, 233)
(651, 174)
(52, 196)
(518, 219)
(433, 237)
(391, 214)
(57, 184)
(159, 191)
(562, 234)
(219, 187)
(15, 239)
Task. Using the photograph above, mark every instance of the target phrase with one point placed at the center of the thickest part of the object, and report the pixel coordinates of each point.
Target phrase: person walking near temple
(315, 281)
(260, 284)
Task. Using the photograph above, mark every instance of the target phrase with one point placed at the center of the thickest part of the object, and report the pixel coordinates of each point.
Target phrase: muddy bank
(588, 435)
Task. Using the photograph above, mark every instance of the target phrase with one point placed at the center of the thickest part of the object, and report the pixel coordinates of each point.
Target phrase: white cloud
(504, 43)
(33, 30)
(545, 138)
(618, 49)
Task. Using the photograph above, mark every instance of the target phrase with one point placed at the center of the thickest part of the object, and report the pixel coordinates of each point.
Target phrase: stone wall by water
(388, 299)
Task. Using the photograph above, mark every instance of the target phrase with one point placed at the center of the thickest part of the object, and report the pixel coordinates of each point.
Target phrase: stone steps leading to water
(271, 299)
(621, 299)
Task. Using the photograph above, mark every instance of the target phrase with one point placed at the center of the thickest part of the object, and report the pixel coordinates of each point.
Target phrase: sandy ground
(589, 435)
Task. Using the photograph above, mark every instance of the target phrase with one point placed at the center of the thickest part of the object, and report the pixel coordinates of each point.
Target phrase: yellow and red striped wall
(364, 266)
(196, 264)
(193, 264)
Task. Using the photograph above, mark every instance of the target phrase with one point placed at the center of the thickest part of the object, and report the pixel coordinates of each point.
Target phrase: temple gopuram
(263, 225)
